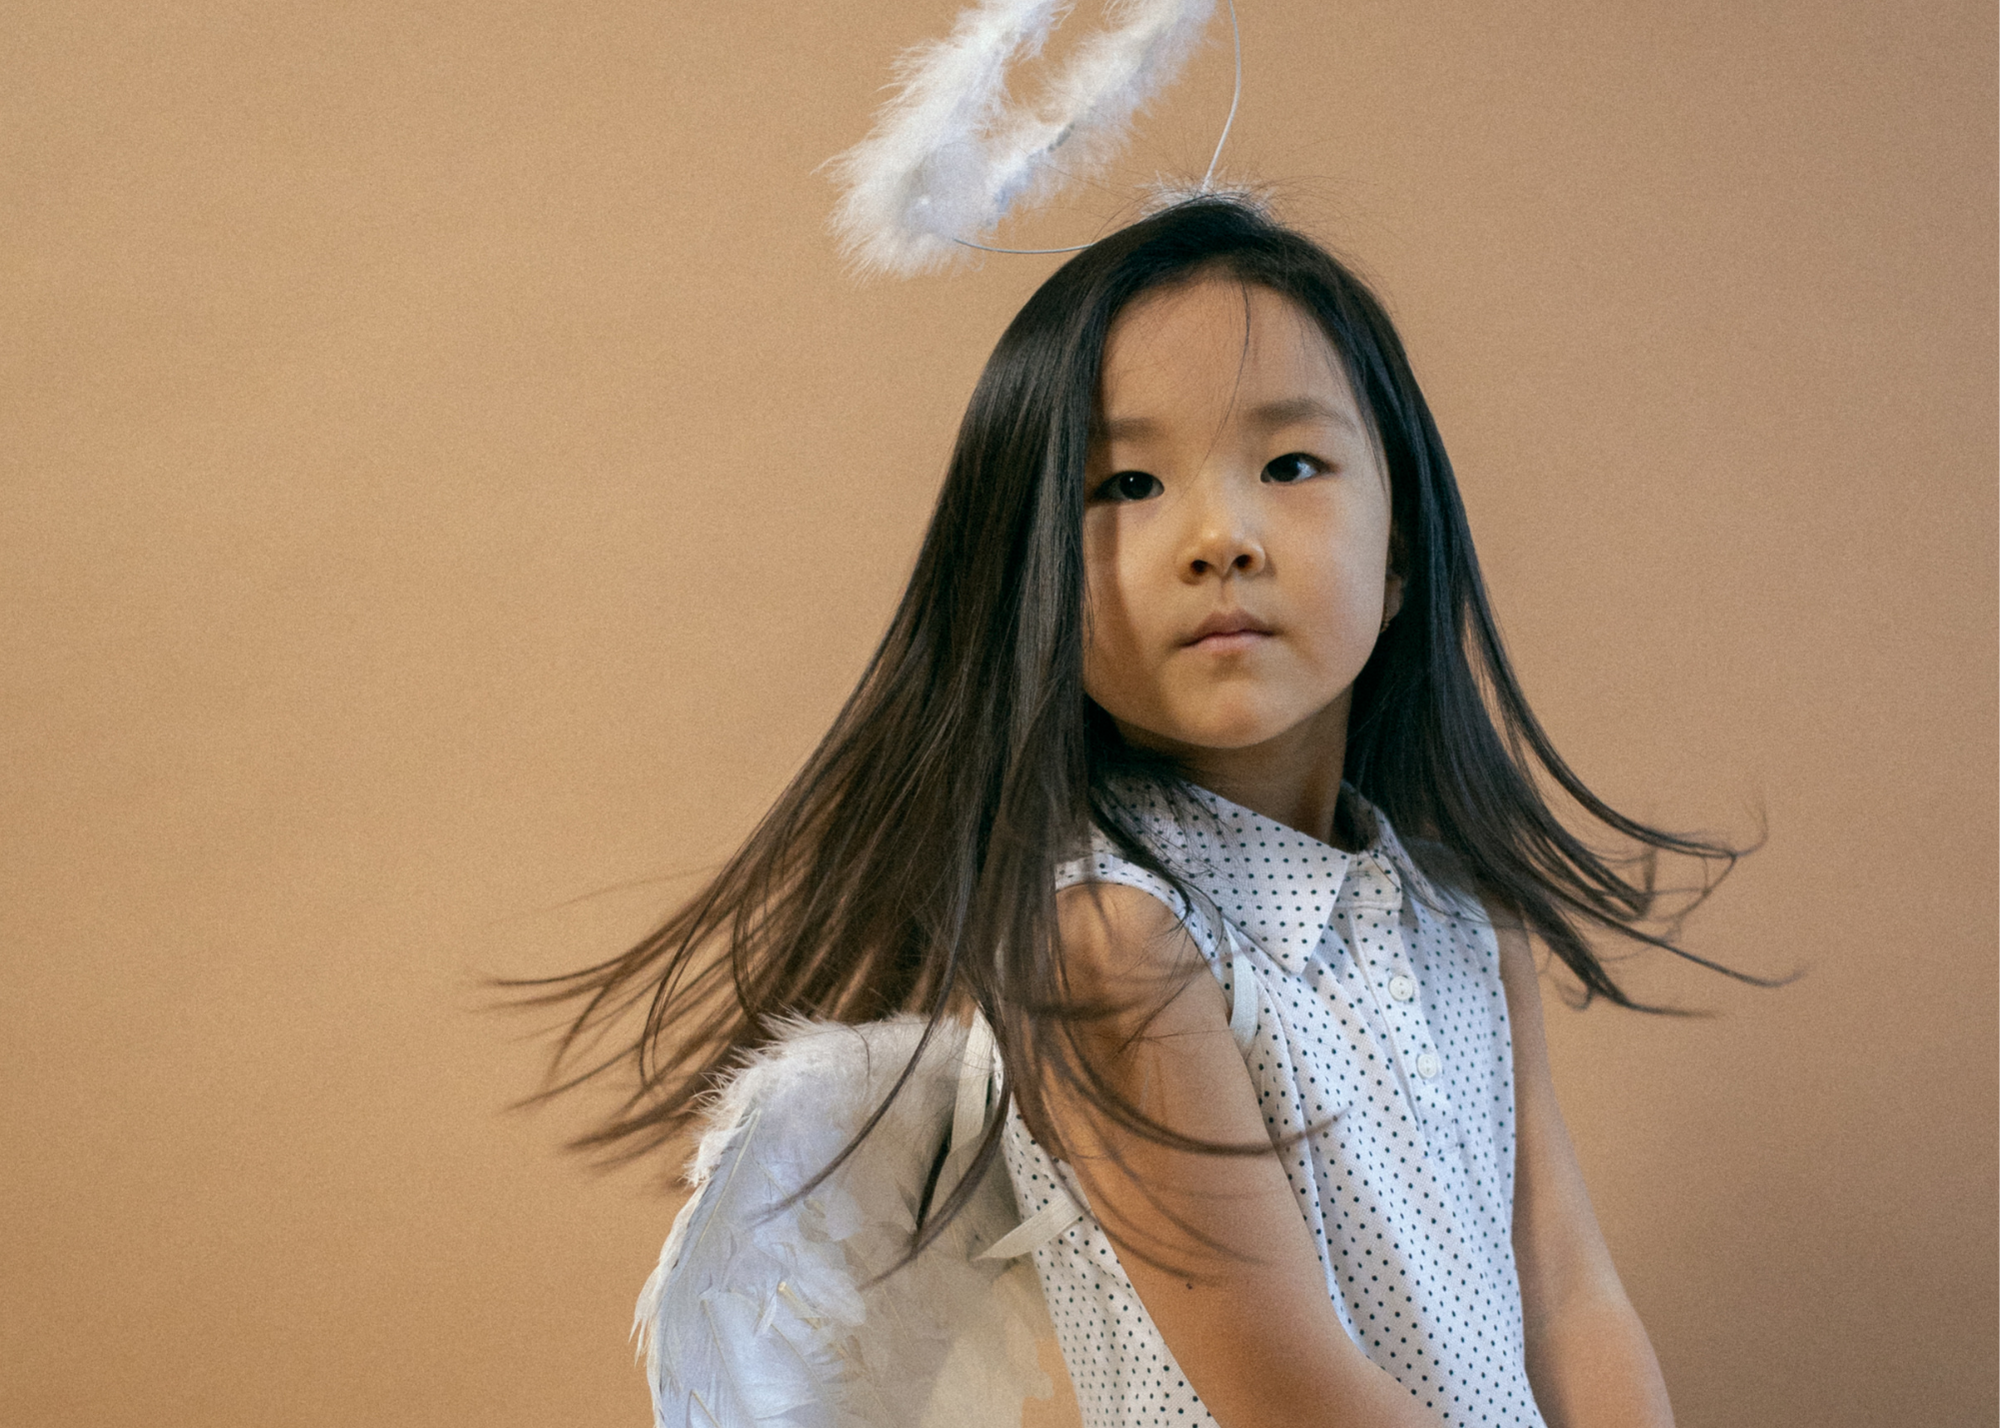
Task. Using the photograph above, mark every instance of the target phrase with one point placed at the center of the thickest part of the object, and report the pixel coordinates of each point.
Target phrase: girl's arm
(1247, 1316)
(1588, 1356)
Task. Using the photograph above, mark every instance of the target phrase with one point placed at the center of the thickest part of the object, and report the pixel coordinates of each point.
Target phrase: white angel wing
(758, 1316)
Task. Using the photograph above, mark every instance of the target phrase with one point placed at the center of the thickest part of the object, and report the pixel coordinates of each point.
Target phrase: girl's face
(1236, 538)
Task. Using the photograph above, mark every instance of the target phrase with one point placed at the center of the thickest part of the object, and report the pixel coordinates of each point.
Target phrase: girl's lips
(1227, 623)
(1225, 641)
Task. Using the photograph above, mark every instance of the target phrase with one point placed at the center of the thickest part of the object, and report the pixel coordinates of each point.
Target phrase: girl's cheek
(1107, 655)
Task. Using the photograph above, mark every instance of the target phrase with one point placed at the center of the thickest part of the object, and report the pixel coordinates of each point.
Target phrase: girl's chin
(1219, 734)
(1232, 741)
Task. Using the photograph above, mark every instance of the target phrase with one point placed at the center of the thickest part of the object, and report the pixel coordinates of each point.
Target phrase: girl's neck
(1293, 779)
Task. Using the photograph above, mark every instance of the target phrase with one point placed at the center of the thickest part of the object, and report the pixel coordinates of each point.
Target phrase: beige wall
(443, 472)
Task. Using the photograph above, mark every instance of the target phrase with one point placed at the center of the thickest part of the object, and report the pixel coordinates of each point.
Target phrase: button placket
(1375, 922)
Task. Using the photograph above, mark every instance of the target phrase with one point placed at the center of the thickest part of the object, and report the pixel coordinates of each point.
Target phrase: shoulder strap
(977, 1067)
(1037, 1230)
(1242, 993)
(1242, 977)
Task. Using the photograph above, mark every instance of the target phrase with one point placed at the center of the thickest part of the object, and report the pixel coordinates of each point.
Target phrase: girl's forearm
(1592, 1366)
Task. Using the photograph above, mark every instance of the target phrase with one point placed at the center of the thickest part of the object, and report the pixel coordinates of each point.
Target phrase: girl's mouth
(1224, 641)
(1227, 630)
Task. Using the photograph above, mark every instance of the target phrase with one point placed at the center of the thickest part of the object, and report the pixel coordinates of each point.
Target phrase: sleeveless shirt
(1380, 1016)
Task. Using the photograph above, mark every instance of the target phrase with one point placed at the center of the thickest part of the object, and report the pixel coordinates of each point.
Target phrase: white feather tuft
(947, 159)
(759, 1316)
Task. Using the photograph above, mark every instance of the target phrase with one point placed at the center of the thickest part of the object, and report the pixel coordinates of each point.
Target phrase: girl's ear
(1392, 597)
(1392, 584)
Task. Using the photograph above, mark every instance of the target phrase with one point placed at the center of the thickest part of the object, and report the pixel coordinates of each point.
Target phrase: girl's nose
(1223, 538)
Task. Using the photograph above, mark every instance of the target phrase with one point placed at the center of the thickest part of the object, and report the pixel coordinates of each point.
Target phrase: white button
(1428, 1065)
(1402, 988)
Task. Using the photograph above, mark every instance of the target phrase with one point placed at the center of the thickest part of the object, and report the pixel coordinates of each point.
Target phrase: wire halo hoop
(948, 157)
(1207, 184)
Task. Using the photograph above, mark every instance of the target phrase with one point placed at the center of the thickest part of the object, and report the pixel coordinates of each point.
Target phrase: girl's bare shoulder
(1113, 933)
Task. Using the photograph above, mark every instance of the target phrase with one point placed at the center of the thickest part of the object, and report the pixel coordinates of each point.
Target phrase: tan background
(443, 473)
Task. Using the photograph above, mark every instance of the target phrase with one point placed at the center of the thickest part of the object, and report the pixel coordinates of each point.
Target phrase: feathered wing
(757, 1315)
(720, 1287)
(946, 160)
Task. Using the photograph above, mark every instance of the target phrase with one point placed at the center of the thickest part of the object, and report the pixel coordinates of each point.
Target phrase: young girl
(1193, 763)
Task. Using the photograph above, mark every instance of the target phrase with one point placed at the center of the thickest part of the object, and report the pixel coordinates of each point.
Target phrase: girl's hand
(1588, 1356)
(1214, 1244)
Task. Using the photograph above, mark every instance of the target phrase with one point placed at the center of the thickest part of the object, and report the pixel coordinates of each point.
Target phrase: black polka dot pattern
(1380, 1010)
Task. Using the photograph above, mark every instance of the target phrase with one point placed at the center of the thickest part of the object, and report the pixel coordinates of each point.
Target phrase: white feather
(947, 158)
(758, 1316)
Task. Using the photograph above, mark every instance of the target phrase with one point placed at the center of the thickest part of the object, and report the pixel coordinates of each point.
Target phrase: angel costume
(1367, 995)
(1365, 998)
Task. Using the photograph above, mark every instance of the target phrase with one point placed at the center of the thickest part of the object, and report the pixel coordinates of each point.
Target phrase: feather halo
(948, 156)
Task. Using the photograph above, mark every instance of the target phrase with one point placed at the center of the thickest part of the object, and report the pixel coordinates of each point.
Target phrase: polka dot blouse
(1378, 1007)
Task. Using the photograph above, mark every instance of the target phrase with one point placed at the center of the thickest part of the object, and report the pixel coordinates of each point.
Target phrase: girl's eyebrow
(1290, 411)
(1123, 428)
(1268, 416)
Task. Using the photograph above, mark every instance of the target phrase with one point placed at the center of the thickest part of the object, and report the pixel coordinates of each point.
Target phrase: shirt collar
(1277, 886)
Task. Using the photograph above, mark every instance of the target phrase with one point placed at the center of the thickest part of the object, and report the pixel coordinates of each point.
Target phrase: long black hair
(909, 867)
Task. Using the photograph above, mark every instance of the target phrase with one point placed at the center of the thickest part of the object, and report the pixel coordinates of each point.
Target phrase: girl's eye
(1293, 466)
(1130, 486)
